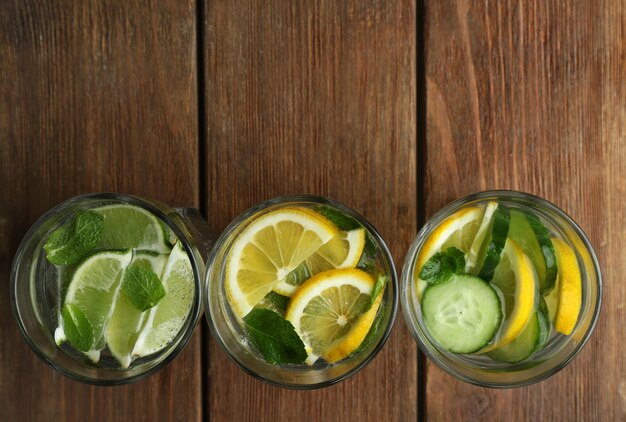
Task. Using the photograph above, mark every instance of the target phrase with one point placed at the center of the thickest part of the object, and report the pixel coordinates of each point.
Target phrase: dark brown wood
(530, 96)
(94, 96)
(315, 97)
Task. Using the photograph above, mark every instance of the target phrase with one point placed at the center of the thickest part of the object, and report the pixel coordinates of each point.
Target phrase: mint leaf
(77, 328)
(459, 259)
(339, 219)
(379, 285)
(442, 265)
(298, 275)
(369, 249)
(274, 337)
(142, 286)
(71, 242)
(274, 302)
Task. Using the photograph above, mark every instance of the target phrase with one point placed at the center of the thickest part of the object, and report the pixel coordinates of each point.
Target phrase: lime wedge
(93, 289)
(127, 321)
(127, 226)
(166, 319)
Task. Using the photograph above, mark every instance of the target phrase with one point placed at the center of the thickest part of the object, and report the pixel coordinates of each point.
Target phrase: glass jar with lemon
(501, 289)
(300, 291)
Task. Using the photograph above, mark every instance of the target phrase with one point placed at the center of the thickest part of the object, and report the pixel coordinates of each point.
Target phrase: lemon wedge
(328, 312)
(516, 279)
(473, 255)
(272, 246)
(342, 251)
(458, 230)
(566, 297)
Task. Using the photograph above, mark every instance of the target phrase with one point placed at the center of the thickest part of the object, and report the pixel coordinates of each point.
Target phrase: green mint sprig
(339, 219)
(379, 285)
(274, 302)
(142, 286)
(274, 337)
(77, 328)
(71, 242)
(443, 265)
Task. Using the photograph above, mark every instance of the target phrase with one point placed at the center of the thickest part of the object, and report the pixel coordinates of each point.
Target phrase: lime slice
(516, 280)
(342, 251)
(266, 251)
(457, 230)
(167, 318)
(127, 321)
(94, 288)
(565, 300)
(532, 236)
(127, 226)
(326, 308)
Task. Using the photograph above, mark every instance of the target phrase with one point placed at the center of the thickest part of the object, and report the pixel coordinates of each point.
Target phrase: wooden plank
(530, 96)
(314, 97)
(94, 96)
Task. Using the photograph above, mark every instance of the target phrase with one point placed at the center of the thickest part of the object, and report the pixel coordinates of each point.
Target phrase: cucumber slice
(522, 347)
(531, 339)
(545, 327)
(463, 314)
(532, 236)
(494, 242)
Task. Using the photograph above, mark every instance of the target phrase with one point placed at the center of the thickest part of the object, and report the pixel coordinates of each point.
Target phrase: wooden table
(390, 106)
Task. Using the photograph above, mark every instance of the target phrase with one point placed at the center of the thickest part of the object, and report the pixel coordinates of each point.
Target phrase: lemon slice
(346, 345)
(458, 230)
(516, 279)
(565, 299)
(472, 259)
(267, 250)
(342, 251)
(327, 308)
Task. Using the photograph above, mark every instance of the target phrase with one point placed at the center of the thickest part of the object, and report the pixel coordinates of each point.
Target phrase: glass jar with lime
(106, 287)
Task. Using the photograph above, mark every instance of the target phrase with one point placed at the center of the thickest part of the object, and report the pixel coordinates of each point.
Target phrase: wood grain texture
(531, 96)
(314, 97)
(94, 96)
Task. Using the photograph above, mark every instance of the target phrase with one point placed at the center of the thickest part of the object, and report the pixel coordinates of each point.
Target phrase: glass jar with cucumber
(501, 289)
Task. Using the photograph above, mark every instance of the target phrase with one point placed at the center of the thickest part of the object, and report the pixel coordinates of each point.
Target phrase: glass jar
(559, 350)
(35, 292)
(227, 327)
